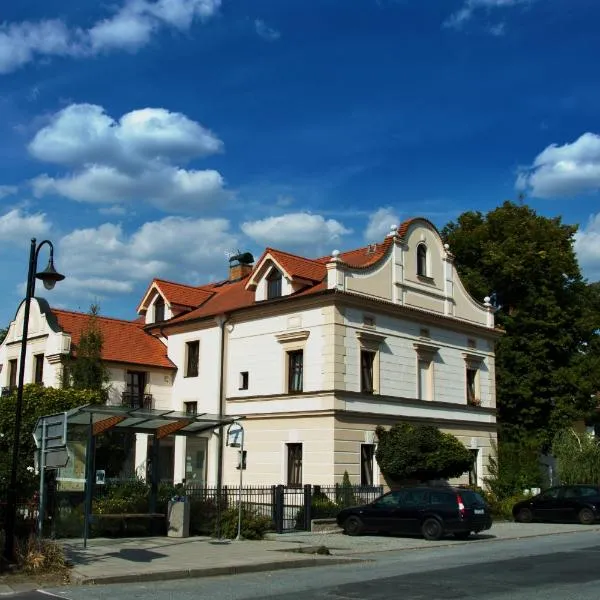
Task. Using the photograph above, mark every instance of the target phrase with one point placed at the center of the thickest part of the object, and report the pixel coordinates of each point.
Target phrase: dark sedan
(566, 503)
(431, 512)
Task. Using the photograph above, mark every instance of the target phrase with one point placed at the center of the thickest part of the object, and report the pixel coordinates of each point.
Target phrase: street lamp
(49, 277)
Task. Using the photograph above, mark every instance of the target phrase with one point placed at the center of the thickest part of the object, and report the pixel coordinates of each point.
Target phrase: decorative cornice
(292, 336)
(369, 336)
(473, 357)
(426, 348)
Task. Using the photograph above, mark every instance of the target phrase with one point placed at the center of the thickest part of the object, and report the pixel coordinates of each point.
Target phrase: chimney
(240, 266)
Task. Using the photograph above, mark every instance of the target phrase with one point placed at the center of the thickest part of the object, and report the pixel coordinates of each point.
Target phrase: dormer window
(422, 260)
(274, 284)
(159, 309)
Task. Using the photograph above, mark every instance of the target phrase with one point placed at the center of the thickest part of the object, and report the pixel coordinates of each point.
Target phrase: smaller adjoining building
(314, 352)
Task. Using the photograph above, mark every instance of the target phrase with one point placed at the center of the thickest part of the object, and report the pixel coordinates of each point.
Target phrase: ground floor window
(195, 460)
(367, 460)
(294, 465)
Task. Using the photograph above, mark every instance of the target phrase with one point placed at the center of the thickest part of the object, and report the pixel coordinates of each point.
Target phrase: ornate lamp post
(49, 277)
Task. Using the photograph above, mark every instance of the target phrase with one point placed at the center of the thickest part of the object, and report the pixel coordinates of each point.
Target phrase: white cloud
(295, 229)
(470, 7)
(129, 28)
(132, 158)
(17, 227)
(107, 260)
(8, 190)
(265, 32)
(587, 246)
(565, 170)
(380, 223)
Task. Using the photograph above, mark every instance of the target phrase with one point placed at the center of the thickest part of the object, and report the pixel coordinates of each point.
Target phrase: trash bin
(178, 517)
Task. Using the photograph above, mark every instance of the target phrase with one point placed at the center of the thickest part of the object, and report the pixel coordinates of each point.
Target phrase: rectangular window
(193, 358)
(12, 373)
(244, 380)
(367, 360)
(159, 310)
(424, 379)
(274, 285)
(367, 458)
(294, 465)
(473, 474)
(134, 390)
(38, 369)
(191, 408)
(243, 460)
(472, 395)
(295, 371)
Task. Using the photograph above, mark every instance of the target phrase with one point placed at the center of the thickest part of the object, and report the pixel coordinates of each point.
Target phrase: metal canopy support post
(89, 480)
(239, 531)
(154, 478)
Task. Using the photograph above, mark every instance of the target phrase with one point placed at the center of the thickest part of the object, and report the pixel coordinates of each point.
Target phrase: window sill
(426, 279)
(190, 376)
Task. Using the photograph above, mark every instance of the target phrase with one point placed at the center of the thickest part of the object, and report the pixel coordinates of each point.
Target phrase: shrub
(344, 493)
(321, 507)
(502, 508)
(39, 556)
(254, 525)
(577, 456)
(69, 523)
(203, 516)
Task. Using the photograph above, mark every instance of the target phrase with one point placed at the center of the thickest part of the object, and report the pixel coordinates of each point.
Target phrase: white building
(315, 353)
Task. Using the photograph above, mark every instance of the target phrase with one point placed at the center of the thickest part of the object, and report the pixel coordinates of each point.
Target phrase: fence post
(307, 506)
(279, 508)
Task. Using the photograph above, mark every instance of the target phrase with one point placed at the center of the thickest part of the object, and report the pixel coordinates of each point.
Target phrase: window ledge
(473, 357)
(369, 336)
(426, 279)
(426, 348)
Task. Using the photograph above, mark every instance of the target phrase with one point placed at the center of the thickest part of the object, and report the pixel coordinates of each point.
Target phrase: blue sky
(147, 138)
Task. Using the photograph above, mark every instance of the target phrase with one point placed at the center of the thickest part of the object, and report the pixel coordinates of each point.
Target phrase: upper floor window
(38, 369)
(191, 408)
(367, 361)
(422, 260)
(295, 371)
(159, 310)
(274, 284)
(12, 373)
(193, 358)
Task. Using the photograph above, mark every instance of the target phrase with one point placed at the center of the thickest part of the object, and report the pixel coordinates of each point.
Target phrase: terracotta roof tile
(124, 341)
(362, 257)
(299, 266)
(181, 294)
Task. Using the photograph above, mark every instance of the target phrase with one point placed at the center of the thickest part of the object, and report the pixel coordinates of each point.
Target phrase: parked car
(429, 511)
(562, 503)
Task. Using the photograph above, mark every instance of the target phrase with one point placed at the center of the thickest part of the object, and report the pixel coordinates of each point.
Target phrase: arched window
(422, 260)
(159, 310)
(273, 284)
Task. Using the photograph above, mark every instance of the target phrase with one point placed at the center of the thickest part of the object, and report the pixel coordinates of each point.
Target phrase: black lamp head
(49, 276)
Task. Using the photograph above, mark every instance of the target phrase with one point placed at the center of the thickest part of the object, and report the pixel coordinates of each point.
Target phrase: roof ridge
(187, 285)
(313, 260)
(77, 312)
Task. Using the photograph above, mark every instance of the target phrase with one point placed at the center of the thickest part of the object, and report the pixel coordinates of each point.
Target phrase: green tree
(420, 453)
(577, 456)
(3, 334)
(87, 371)
(527, 264)
(38, 401)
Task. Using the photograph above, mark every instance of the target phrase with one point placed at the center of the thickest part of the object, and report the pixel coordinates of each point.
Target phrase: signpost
(235, 439)
(50, 437)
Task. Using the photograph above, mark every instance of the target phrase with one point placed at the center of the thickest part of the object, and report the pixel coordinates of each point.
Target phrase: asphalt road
(555, 567)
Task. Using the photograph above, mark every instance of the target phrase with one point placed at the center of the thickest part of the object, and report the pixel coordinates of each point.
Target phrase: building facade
(313, 353)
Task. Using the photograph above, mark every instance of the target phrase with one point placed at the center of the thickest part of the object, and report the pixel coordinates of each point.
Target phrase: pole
(239, 531)
(89, 481)
(221, 321)
(11, 509)
(42, 465)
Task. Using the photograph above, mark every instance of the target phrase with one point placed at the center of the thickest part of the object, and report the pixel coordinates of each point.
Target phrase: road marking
(52, 595)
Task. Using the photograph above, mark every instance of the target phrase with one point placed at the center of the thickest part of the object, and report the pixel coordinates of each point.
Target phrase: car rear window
(471, 498)
(442, 498)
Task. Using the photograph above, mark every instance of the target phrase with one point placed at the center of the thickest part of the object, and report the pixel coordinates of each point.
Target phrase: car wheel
(524, 515)
(586, 516)
(432, 529)
(462, 535)
(353, 526)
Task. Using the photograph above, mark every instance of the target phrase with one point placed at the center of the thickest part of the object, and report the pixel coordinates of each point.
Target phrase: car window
(471, 498)
(550, 494)
(572, 492)
(412, 497)
(389, 500)
(589, 491)
(442, 498)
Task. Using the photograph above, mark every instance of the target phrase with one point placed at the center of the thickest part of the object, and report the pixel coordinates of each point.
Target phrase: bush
(39, 556)
(254, 525)
(502, 509)
(344, 493)
(69, 523)
(203, 516)
(577, 456)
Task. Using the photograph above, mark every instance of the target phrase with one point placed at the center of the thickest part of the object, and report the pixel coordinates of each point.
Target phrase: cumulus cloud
(296, 230)
(8, 190)
(265, 32)
(587, 246)
(565, 170)
(470, 7)
(130, 27)
(17, 226)
(135, 157)
(108, 260)
(380, 223)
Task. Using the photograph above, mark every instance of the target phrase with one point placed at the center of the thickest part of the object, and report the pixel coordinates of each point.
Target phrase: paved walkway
(153, 559)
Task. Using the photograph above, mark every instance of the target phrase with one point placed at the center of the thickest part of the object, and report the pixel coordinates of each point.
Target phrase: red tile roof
(124, 341)
(361, 258)
(181, 294)
(298, 266)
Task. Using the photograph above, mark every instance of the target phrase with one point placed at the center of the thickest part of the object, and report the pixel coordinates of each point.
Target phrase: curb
(78, 580)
